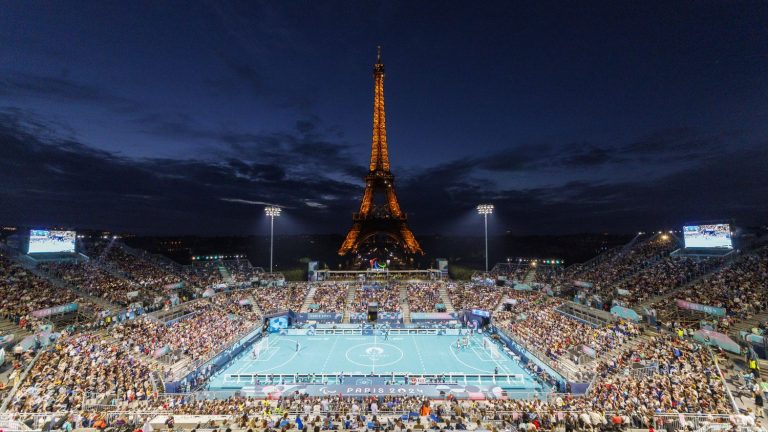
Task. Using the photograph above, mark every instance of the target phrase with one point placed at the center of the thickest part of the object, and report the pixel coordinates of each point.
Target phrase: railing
(722, 380)
(671, 421)
(395, 378)
(21, 379)
(568, 375)
(639, 373)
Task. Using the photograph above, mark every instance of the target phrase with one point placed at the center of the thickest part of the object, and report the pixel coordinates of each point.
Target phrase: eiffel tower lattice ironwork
(379, 213)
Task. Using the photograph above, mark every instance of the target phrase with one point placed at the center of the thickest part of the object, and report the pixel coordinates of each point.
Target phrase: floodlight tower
(272, 212)
(485, 210)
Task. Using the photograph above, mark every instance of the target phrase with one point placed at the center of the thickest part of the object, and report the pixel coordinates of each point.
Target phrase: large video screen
(708, 236)
(278, 323)
(45, 241)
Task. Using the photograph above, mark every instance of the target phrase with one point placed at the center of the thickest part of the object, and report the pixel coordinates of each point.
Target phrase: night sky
(187, 117)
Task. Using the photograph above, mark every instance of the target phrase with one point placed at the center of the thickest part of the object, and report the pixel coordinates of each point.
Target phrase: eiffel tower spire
(384, 219)
(379, 150)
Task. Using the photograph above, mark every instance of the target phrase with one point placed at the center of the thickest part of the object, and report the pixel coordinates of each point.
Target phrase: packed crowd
(203, 333)
(330, 296)
(474, 296)
(548, 274)
(97, 282)
(144, 272)
(388, 298)
(683, 378)
(81, 368)
(237, 302)
(22, 292)
(740, 287)
(291, 296)
(667, 374)
(513, 271)
(624, 263)
(216, 272)
(660, 278)
(423, 296)
(534, 320)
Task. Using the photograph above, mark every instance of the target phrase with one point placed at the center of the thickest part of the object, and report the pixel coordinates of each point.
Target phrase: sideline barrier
(671, 421)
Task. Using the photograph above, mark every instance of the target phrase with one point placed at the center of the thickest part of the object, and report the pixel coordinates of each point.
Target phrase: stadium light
(485, 210)
(272, 212)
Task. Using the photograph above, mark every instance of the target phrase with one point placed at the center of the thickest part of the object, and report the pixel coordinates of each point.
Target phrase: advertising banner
(442, 265)
(42, 313)
(312, 267)
(588, 351)
(582, 284)
(458, 391)
(432, 316)
(711, 310)
(625, 313)
(161, 351)
(717, 339)
(174, 285)
(319, 316)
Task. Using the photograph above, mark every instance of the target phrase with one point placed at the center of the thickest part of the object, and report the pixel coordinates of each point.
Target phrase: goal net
(259, 347)
(492, 349)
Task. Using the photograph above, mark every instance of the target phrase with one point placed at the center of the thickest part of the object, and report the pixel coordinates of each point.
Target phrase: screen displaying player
(45, 241)
(278, 323)
(708, 236)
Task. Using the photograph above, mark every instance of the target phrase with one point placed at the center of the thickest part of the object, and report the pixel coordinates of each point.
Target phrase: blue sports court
(321, 358)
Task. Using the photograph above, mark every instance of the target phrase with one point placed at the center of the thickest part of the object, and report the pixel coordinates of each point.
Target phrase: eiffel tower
(380, 217)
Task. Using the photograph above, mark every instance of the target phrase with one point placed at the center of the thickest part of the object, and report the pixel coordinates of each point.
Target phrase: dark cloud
(53, 179)
(24, 85)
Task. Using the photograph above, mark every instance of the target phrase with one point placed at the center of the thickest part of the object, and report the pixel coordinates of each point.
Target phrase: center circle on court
(376, 354)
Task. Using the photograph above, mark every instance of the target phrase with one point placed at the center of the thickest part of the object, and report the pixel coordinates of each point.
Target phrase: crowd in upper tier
(22, 292)
(475, 296)
(624, 263)
(740, 287)
(216, 272)
(98, 282)
(142, 271)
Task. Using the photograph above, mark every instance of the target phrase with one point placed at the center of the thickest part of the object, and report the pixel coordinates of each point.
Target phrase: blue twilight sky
(185, 117)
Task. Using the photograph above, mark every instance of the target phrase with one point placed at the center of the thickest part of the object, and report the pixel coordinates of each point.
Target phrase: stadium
(112, 330)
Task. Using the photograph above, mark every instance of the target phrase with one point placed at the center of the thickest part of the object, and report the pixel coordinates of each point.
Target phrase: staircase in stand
(500, 305)
(404, 305)
(446, 299)
(351, 294)
(309, 299)
(748, 324)
(530, 276)
(224, 272)
(255, 305)
(9, 327)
